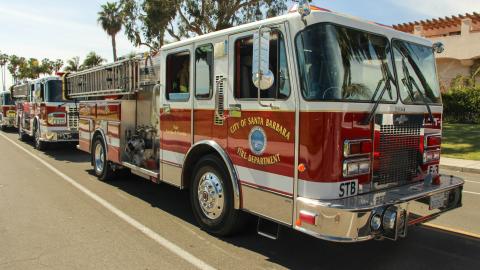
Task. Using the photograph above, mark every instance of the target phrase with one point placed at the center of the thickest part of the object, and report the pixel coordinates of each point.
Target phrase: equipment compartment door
(261, 134)
(175, 112)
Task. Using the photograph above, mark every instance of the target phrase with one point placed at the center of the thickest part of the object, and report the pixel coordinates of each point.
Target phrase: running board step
(268, 228)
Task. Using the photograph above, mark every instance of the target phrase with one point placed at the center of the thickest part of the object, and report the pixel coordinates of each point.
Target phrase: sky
(64, 29)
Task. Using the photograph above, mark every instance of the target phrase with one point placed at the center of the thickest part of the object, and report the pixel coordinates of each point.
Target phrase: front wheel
(102, 167)
(21, 134)
(211, 195)
(39, 144)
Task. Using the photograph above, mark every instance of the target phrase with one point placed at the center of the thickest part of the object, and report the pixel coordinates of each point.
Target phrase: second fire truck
(321, 122)
(7, 110)
(43, 114)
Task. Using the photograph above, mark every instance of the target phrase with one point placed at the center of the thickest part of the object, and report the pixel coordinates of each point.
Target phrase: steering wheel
(328, 90)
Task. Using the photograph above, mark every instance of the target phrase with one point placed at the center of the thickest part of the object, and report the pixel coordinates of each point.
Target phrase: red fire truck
(318, 121)
(43, 114)
(7, 111)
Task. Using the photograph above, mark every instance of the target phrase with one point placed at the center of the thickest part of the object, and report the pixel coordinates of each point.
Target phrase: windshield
(54, 91)
(339, 63)
(7, 100)
(416, 72)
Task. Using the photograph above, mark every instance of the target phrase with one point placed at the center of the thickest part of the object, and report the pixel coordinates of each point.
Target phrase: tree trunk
(114, 47)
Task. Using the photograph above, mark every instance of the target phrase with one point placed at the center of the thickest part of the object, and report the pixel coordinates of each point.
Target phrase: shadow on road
(67, 152)
(422, 249)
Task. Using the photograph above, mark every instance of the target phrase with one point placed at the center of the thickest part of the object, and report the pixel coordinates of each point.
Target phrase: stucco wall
(448, 69)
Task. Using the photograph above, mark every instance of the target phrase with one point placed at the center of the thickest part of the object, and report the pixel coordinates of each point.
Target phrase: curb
(451, 230)
(460, 169)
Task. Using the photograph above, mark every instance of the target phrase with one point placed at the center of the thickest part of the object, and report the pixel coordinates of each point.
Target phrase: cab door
(175, 111)
(210, 75)
(261, 133)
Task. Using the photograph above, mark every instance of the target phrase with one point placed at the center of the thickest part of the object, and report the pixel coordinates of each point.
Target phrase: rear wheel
(101, 165)
(211, 195)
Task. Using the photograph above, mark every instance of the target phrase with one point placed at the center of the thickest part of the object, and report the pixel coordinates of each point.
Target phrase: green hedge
(462, 105)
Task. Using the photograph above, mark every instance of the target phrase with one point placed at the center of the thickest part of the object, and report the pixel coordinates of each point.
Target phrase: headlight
(356, 167)
(430, 156)
(57, 119)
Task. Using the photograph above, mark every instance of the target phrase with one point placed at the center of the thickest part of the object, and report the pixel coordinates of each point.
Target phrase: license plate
(438, 200)
(11, 114)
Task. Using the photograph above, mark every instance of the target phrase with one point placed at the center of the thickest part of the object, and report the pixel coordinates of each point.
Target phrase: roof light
(303, 6)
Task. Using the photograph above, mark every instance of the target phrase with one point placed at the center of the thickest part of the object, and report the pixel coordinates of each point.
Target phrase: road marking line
(139, 226)
(454, 230)
(472, 181)
(471, 192)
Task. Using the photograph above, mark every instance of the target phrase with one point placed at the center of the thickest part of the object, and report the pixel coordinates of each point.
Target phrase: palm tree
(3, 62)
(73, 64)
(111, 21)
(46, 66)
(57, 65)
(92, 60)
(14, 65)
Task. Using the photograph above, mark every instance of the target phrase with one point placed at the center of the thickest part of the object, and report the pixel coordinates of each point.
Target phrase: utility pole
(3, 63)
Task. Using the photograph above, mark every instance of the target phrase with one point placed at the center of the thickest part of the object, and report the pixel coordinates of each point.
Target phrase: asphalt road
(47, 222)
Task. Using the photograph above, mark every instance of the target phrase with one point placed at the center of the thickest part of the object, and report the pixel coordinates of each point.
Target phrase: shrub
(462, 105)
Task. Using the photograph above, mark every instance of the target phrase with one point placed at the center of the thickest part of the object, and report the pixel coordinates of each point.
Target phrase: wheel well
(192, 159)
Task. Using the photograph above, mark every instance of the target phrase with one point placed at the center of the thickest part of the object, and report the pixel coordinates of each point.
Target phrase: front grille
(72, 117)
(399, 154)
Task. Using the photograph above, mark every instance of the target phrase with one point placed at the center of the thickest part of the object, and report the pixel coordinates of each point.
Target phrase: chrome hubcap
(99, 158)
(211, 195)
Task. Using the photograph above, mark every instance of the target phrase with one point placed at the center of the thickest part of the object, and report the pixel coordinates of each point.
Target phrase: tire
(39, 145)
(211, 196)
(101, 166)
(21, 135)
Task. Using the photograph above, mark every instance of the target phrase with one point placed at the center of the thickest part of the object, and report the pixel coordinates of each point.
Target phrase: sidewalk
(463, 165)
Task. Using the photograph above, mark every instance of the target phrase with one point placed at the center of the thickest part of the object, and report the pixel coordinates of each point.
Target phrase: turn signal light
(433, 140)
(307, 217)
(353, 148)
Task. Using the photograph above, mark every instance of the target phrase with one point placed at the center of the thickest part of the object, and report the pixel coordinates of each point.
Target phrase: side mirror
(262, 76)
(438, 47)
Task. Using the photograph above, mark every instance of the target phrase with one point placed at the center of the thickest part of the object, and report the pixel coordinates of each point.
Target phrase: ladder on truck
(20, 91)
(118, 78)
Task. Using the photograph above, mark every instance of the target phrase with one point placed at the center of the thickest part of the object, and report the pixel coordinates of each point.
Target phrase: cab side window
(244, 87)
(204, 71)
(178, 76)
(39, 92)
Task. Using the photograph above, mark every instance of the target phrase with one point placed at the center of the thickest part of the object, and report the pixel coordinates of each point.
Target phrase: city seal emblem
(257, 140)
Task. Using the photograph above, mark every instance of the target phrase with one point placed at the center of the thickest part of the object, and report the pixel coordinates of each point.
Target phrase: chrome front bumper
(7, 121)
(349, 219)
(50, 135)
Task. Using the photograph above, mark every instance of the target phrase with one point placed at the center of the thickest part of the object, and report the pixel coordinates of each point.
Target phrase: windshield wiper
(386, 79)
(409, 81)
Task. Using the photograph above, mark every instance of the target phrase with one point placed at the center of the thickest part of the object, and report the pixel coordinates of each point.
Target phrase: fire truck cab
(317, 121)
(44, 115)
(7, 110)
